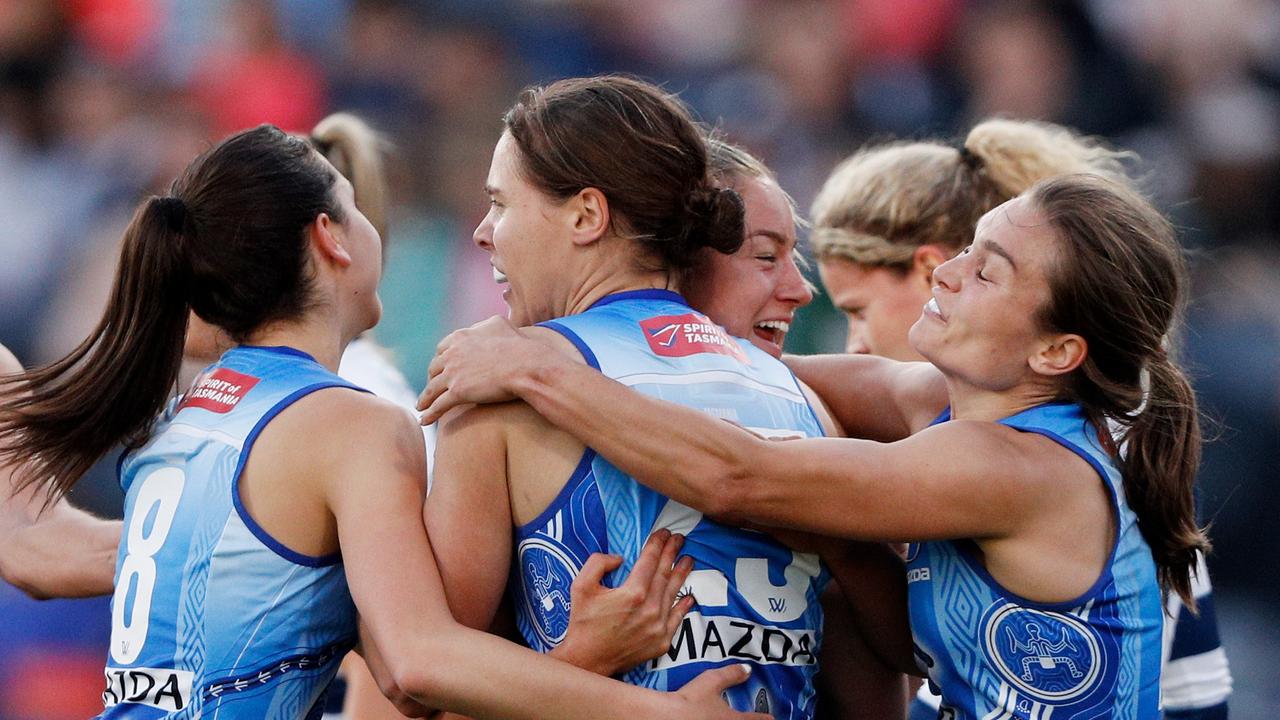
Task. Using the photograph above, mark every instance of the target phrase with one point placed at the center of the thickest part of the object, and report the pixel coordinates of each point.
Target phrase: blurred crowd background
(104, 101)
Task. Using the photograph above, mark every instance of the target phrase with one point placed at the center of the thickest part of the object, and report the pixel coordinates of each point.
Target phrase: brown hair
(1120, 282)
(229, 243)
(886, 200)
(356, 151)
(640, 147)
(731, 164)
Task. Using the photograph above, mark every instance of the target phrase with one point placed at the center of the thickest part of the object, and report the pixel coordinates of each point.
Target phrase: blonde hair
(356, 151)
(886, 200)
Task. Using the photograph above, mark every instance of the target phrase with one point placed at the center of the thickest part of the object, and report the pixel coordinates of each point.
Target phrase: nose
(793, 287)
(483, 234)
(856, 342)
(947, 275)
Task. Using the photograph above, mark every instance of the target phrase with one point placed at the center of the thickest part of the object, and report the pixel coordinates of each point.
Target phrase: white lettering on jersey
(709, 587)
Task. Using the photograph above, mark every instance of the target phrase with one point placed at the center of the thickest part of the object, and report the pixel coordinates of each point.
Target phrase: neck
(969, 402)
(318, 339)
(607, 280)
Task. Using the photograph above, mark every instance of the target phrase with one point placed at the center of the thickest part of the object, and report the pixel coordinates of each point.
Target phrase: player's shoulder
(553, 340)
(343, 416)
(1025, 458)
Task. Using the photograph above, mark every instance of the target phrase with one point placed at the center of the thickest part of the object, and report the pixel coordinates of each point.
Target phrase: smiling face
(525, 235)
(983, 323)
(754, 292)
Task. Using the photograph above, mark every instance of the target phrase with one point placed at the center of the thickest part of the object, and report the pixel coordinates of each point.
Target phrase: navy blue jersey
(757, 601)
(211, 615)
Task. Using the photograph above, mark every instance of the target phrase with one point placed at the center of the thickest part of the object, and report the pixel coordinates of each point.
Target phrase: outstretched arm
(937, 484)
(60, 551)
(871, 397)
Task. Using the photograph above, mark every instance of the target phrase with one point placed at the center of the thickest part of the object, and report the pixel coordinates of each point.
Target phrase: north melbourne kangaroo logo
(1042, 653)
(544, 586)
(1051, 657)
(548, 573)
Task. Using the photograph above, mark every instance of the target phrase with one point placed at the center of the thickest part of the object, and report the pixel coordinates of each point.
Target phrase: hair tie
(321, 145)
(969, 159)
(174, 212)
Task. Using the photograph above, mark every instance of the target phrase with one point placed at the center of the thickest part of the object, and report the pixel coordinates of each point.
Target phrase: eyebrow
(491, 190)
(774, 236)
(994, 247)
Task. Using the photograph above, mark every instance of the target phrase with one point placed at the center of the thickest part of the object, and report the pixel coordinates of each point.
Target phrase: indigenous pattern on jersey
(1195, 679)
(757, 601)
(212, 617)
(992, 654)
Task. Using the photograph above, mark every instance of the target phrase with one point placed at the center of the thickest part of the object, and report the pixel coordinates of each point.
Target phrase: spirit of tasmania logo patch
(689, 334)
(219, 391)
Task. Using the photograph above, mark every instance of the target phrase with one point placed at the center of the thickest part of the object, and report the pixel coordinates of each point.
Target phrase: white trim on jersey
(710, 376)
(1196, 681)
(1193, 681)
(204, 434)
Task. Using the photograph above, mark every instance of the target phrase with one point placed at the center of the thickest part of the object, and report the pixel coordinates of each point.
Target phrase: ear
(589, 213)
(326, 239)
(1059, 354)
(925, 259)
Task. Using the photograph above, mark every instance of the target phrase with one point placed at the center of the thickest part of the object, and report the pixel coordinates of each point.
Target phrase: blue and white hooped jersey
(992, 654)
(212, 617)
(757, 601)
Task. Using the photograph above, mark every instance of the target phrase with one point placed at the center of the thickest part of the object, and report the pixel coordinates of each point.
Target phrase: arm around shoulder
(873, 397)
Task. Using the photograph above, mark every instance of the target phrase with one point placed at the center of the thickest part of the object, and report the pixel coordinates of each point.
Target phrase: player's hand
(614, 629)
(703, 697)
(477, 365)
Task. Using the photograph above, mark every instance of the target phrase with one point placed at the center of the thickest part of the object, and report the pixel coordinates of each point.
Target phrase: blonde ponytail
(886, 200)
(1016, 154)
(356, 151)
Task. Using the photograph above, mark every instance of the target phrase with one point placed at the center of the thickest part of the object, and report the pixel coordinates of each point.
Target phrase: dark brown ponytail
(66, 415)
(1161, 459)
(1120, 282)
(229, 243)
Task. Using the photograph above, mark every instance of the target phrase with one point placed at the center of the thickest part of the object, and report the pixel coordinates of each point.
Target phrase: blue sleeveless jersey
(211, 616)
(993, 654)
(757, 601)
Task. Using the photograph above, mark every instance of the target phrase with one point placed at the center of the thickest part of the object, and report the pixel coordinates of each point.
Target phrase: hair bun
(715, 219)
